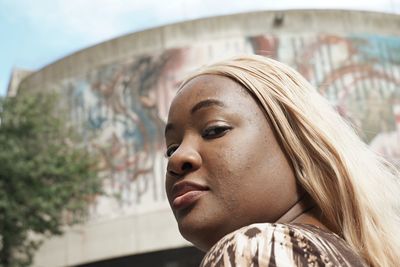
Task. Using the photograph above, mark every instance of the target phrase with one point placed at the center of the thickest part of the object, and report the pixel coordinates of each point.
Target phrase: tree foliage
(47, 177)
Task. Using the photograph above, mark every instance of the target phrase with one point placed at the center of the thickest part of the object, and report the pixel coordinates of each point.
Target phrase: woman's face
(225, 168)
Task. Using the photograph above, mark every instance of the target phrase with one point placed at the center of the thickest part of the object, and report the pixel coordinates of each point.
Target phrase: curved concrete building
(119, 92)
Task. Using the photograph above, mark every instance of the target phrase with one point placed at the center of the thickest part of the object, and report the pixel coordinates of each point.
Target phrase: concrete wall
(17, 76)
(121, 236)
(119, 92)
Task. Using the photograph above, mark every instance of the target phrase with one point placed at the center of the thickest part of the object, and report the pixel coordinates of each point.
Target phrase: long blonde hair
(357, 191)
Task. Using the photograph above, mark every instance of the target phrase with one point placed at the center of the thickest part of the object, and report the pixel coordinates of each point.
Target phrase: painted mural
(122, 107)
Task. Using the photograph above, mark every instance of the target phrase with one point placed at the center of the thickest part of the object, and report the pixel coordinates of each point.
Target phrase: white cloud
(102, 19)
(54, 27)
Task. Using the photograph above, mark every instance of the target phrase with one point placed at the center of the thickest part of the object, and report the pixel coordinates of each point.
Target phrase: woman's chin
(197, 238)
(200, 233)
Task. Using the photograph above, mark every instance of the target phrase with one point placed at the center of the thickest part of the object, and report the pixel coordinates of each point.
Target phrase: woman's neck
(305, 211)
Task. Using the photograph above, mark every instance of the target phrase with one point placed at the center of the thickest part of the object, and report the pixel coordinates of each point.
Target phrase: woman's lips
(185, 194)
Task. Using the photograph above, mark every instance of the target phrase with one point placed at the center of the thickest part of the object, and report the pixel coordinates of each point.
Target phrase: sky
(36, 33)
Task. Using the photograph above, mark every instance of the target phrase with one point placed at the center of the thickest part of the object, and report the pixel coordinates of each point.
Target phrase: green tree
(47, 177)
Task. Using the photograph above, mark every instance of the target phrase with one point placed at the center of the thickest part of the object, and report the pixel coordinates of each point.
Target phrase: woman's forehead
(210, 86)
(212, 91)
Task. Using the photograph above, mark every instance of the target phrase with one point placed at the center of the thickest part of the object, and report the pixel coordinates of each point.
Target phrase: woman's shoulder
(266, 244)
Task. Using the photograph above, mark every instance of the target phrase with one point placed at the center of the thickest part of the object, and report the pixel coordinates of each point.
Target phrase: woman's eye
(170, 150)
(215, 131)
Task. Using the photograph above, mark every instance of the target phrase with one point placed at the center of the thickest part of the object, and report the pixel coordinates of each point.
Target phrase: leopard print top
(281, 245)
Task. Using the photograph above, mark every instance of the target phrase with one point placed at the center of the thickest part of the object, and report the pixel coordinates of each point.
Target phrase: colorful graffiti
(360, 75)
(122, 107)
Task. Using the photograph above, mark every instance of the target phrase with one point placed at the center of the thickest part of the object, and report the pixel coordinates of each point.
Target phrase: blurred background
(117, 64)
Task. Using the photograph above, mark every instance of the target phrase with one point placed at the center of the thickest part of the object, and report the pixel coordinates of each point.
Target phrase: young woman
(263, 172)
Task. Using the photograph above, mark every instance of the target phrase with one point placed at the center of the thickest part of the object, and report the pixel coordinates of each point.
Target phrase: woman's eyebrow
(202, 104)
(206, 103)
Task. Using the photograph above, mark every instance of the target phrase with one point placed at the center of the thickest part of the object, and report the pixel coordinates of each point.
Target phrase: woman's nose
(185, 159)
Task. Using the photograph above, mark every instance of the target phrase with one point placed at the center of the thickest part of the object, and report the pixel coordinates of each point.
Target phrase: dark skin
(225, 167)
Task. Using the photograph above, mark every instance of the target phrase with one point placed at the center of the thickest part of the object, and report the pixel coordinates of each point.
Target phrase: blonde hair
(357, 191)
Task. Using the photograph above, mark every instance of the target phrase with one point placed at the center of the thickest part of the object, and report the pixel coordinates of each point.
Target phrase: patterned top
(281, 245)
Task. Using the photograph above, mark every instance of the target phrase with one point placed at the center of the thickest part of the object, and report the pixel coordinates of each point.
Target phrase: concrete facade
(17, 76)
(119, 92)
